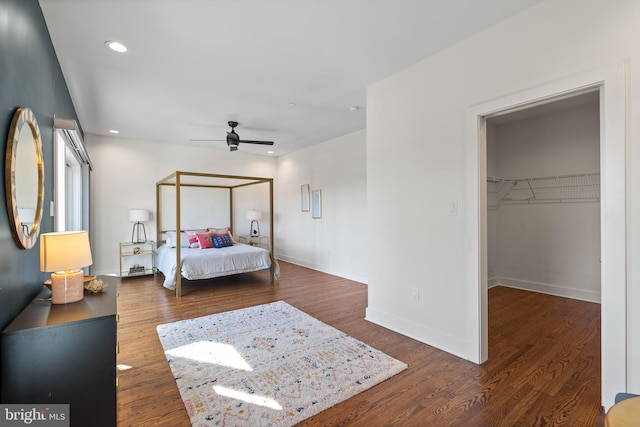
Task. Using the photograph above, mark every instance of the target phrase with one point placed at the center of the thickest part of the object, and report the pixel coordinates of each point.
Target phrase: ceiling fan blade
(257, 142)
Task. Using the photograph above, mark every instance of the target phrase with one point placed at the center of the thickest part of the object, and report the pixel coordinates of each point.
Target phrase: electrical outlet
(415, 294)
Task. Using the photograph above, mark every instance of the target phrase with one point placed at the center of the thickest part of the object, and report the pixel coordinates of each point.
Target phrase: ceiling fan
(233, 139)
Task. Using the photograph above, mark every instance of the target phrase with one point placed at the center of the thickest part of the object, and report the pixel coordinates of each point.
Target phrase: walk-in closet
(543, 198)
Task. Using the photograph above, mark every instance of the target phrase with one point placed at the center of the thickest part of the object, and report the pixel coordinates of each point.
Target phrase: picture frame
(316, 204)
(304, 198)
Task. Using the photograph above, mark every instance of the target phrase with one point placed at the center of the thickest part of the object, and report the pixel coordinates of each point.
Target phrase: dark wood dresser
(64, 353)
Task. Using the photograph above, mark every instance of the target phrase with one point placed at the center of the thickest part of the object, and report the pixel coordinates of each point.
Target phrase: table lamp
(63, 254)
(254, 216)
(27, 217)
(138, 216)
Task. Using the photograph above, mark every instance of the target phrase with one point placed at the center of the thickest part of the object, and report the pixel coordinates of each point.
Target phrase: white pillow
(172, 240)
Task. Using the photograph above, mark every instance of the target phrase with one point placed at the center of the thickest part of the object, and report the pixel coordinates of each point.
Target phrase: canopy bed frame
(181, 179)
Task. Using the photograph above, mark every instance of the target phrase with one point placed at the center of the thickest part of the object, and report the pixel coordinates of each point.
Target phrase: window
(71, 178)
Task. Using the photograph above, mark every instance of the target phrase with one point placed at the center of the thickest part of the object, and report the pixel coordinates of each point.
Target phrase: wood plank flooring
(543, 368)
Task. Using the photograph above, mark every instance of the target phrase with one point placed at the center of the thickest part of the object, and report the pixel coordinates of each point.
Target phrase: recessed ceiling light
(114, 131)
(270, 152)
(115, 45)
(291, 104)
(354, 108)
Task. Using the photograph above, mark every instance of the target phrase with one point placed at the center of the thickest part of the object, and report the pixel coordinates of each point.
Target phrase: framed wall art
(316, 204)
(304, 198)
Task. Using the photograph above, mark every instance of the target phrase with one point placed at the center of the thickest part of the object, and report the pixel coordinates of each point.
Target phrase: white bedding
(214, 262)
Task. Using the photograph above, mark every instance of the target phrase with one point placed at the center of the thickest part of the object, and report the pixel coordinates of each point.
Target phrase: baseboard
(494, 281)
(324, 269)
(421, 333)
(545, 288)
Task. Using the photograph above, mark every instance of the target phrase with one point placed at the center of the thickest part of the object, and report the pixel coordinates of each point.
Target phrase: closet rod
(539, 178)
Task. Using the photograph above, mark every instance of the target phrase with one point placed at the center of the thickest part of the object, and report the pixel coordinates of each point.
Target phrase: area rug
(268, 365)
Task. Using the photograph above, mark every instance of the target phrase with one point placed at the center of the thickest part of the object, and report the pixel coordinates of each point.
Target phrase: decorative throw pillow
(222, 241)
(192, 238)
(221, 232)
(205, 240)
(218, 231)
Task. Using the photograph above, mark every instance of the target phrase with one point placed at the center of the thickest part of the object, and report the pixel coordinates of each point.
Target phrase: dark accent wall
(30, 76)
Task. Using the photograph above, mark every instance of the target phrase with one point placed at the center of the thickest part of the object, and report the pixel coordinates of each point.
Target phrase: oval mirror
(24, 178)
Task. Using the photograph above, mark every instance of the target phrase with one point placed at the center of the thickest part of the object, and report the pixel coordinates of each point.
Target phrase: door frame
(611, 83)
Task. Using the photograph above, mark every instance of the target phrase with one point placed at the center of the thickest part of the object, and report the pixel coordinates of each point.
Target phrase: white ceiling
(192, 65)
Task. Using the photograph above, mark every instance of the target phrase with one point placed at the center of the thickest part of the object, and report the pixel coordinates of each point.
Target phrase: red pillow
(205, 240)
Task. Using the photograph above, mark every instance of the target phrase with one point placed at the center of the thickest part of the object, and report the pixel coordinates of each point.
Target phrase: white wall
(426, 107)
(549, 247)
(126, 171)
(336, 243)
(124, 177)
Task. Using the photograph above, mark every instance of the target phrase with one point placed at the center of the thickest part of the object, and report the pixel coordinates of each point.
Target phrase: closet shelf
(580, 187)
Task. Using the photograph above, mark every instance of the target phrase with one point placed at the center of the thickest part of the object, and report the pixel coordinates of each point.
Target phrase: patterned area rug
(267, 365)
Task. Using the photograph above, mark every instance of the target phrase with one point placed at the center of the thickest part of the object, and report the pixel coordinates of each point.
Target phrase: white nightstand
(261, 241)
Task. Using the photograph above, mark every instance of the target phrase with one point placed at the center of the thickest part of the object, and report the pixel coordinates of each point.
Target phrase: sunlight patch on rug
(210, 352)
(270, 364)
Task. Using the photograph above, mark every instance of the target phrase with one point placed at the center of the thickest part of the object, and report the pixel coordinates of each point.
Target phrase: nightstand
(137, 259)
(261, 241)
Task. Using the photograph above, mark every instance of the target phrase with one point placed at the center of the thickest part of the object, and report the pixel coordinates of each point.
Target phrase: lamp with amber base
(63, 254)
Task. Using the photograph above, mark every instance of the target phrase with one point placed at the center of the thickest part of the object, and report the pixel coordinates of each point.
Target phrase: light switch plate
(453, 208)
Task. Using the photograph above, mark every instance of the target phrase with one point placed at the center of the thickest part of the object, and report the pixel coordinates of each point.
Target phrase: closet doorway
(543, 238)
(610, 83)
(543, 198)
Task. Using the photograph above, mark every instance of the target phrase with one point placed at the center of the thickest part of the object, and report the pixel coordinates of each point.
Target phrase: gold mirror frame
(25, 236)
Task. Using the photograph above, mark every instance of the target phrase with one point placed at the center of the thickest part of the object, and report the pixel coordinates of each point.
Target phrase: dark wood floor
(543, 368)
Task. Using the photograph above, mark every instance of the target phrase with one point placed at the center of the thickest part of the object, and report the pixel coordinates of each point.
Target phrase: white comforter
(215, 262)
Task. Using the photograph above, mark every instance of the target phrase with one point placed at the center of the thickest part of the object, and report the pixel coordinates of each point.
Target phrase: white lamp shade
(254, 215)
(65, 250)
(138, 215)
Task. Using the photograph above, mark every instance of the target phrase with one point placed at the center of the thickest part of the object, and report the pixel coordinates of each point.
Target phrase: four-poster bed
(198, 264)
